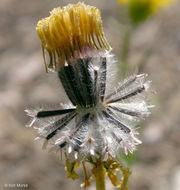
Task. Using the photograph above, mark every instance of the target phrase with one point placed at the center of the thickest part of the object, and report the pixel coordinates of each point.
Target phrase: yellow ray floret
(68, 29)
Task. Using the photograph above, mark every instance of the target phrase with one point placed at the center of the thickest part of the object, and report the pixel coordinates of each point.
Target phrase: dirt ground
(24, 83)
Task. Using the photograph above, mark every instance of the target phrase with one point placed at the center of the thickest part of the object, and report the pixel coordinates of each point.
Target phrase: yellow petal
(67, 30)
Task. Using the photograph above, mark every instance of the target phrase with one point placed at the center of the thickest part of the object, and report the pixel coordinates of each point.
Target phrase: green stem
(144, 59)
(100, 181)
(126, 45)
(99, 174)
(125, 51)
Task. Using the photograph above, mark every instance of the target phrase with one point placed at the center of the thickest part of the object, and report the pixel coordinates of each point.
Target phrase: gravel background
(24, 83)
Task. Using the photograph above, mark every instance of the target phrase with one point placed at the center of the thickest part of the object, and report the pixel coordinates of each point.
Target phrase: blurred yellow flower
(141, 9)
(123, 1)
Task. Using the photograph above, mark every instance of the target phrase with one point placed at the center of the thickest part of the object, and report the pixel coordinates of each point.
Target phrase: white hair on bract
(98, 122)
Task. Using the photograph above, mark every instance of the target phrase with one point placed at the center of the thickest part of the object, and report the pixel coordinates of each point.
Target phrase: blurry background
(24, 83)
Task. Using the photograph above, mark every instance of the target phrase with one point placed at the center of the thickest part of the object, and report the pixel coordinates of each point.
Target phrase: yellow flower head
(141, 9)
(68, 30)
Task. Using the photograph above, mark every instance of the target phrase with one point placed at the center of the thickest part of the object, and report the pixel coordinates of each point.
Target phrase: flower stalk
(99, 174)
(125, 51)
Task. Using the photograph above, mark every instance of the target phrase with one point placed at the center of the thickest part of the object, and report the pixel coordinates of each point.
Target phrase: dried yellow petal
(67, 30)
